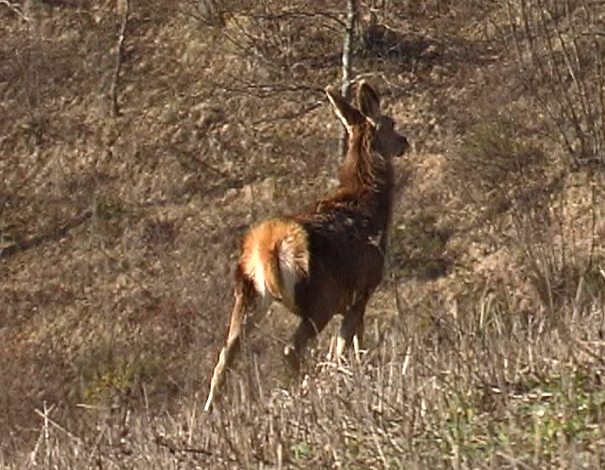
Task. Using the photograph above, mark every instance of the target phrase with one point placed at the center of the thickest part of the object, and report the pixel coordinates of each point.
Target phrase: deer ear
(347, 113)
(369, 102)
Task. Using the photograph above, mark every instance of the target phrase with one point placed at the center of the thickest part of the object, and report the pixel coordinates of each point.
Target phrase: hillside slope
(120, 223)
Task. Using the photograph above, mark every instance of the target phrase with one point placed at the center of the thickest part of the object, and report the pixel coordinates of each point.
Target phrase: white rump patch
(275, 257)
(293, 265)
(257, 272)
(289, 276)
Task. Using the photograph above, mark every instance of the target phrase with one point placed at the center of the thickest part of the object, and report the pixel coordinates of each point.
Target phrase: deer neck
(364, 169)
(369, 176)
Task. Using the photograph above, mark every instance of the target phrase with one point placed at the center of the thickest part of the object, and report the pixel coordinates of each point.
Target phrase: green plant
(302, 450)
(107, 380)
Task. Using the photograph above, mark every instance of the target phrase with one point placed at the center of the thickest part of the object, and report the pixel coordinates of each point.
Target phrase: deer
(329, 258)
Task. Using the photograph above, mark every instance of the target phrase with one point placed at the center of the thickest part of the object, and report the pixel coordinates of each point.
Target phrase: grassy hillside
(138, 140)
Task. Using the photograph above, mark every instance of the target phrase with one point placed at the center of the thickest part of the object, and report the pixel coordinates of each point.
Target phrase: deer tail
(275, 256)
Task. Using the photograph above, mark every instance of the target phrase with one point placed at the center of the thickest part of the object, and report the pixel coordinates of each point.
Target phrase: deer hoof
(291, 357)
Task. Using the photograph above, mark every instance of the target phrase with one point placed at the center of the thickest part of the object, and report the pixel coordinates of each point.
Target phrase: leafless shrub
(272, 35)
(514, 180)
(559, 50)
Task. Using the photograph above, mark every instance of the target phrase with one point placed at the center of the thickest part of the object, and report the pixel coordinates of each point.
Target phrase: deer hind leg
(309, 327)
(358, 339)
(352, 329)
(247, 311)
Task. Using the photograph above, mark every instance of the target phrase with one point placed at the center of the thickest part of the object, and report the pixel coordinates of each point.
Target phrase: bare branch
(551, 43)
(305, 14)
(15, 9)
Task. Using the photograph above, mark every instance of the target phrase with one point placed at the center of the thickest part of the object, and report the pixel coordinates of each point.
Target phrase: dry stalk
(124, 10)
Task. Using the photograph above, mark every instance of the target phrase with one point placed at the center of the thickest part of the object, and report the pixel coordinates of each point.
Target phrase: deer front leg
(308, 328)
(351, 329)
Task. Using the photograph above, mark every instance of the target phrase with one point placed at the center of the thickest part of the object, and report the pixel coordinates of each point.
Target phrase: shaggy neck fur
(367, 174)
(364, 168)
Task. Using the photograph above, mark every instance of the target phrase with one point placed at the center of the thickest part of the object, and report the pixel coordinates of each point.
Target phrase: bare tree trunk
(347, 51)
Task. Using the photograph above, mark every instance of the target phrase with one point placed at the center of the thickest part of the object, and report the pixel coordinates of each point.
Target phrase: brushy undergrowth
(488, 389)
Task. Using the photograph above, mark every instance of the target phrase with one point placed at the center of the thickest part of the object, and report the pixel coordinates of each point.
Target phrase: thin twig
(113, 91)
(163, 441)
(15, 9)
(49, 420)
(289, 116)
(299, 14)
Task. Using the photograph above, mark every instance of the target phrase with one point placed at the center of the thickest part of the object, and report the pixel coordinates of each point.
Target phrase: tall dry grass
(486, 388)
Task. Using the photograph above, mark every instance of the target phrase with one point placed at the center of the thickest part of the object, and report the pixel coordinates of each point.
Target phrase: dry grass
(118, 237)
(484, 390)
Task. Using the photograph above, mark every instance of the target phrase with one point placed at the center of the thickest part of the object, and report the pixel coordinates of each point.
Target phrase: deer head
(380, 134)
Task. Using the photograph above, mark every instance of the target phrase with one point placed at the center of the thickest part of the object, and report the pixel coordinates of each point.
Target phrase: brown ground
(119, 234)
